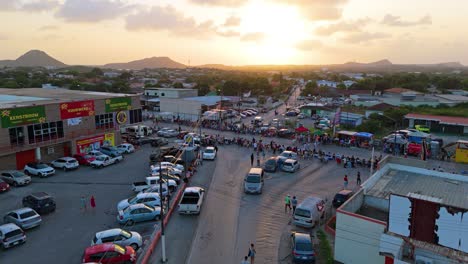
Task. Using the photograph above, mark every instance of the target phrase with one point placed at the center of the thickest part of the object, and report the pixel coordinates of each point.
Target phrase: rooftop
(449, 120)
(170, 89)
(37, 96)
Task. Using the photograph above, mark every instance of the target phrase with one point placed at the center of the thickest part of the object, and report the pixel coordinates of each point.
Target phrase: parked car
(41, 202)
(118, 236)
(422, 128)
(15, 178)
(253, 181)
(291, 113)
(84, 159)
(289, 154)
(138, 213)
(271, 165)
(290, 165)
(109, 253)
(285, 133)
(209, 153)
(38, 169)
(66, 163)
(153, 181)
(341, 197)
(191, 200)
(111, 151)
(4, 187)
(168, 133)
(25, 218)
(157, 142)
(155, 189)
(151, 199)
(167, 177)
(155, 169)
(414, 149)
(11, 235)
(302, 248)
(175, 166)
(309, 212)
(126, 148)
(95, 153)
(104, 160)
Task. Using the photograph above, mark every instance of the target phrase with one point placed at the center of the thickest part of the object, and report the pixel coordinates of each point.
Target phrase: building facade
(43, 124)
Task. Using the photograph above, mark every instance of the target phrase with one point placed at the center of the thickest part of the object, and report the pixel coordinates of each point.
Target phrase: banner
(95, 143)
(118, 104)
(109, 139)
(76, 109)
(23, 116)
(336, 119)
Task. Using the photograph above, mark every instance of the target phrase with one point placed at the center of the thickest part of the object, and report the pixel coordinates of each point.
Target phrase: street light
(394, 133)
(163, 237)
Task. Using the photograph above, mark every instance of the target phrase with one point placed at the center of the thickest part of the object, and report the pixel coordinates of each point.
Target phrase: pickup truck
(150, 182)
(191, 201)
(104, 160)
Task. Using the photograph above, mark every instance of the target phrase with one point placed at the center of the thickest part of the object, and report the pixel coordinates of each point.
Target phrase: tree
(341, 86)
(178, 85)
(202, 88)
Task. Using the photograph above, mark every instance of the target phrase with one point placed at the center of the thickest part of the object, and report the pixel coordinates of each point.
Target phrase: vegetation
(325, 250)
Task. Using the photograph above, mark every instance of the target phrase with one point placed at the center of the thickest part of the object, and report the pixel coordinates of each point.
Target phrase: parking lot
(65, 233)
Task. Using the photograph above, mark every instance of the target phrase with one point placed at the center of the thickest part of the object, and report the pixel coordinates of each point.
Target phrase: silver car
(11, 235)
(25, 218)
(15, 178)
(119, 237)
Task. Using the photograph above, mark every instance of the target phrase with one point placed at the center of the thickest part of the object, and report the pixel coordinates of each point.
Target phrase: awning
(302, 129)
(347, 133)
(364, 134)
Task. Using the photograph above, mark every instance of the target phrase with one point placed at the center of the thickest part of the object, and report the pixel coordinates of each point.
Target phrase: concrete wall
(185, 108)
(437, 259)
(354, 203)
(376, 202)
(357, 240)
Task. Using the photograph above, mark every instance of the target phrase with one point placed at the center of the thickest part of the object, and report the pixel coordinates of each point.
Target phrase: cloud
(364, 37)
(92, 10)
(395, 21)
(318, 9)
(309, 45)
(232, 21)
(28, 6)
(229, 33)
(160, 18)
(343, 26)
(226, 3)
(3, 37)
(48, 28)
(253, 36)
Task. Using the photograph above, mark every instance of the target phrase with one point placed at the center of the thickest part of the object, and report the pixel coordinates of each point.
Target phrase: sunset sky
(237, 32)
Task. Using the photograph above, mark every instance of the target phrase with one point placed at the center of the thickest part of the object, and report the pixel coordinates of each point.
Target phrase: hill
(33, 58)
(147, 63)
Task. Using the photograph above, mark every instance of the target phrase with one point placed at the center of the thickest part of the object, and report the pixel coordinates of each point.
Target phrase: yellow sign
(109, 139)
(461, 155)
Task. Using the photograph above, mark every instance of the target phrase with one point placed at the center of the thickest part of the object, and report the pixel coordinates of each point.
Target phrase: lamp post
(163, 237)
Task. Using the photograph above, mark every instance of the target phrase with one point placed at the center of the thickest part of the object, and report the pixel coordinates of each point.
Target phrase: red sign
(76, 109)
(88, 144)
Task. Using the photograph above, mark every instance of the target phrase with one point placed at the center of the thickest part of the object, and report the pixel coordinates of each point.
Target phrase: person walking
(252, 159)
(246, 260)
(345, 181)
(287, 203)
(252, 253)
(294, 204)
(83, 203)
(92, 202)
(358, 179)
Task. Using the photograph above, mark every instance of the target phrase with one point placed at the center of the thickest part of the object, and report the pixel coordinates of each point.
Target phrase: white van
(253, 181)
(309, 212)
(139, 131)
(290, 165)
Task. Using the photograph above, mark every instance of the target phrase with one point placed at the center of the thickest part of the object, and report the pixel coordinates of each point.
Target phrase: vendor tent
(364, 135)
(302, 129)
(347, 133)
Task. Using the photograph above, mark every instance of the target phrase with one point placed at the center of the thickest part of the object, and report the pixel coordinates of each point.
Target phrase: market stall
(364, 139)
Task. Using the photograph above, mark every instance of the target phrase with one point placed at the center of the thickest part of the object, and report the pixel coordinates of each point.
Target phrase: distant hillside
(379, 63)
(148, 63)
(33, 58)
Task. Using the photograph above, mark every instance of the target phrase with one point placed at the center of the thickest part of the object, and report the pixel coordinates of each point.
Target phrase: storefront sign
(94, 143)
(76, 109)
(118, 104)
(109, 139)
(121, 117)
(23, 116)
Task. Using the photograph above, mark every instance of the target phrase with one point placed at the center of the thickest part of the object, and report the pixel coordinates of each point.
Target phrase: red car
(414, 149)
(109, 253)
(4, 187)
(84, 159)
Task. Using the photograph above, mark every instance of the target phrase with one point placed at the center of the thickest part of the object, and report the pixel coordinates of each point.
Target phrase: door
(24, 157)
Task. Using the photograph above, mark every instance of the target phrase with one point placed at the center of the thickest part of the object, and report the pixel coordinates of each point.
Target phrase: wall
(376, 202)
(437, 259)
(354, 203)
(357, 240)
(182, 107)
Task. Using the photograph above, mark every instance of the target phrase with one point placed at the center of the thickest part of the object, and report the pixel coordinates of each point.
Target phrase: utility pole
(162, 198)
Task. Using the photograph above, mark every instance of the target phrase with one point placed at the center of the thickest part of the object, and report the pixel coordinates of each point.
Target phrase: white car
(118, 236)
(155, 189)
(170, 133)
(290, 165)
(155, 169)
(151, 199)
(209, 153)
(38, 169)
(289, 154)
(25, 218)
(65, 163)
(95, 153)
(15, 178)
(175, 166)
(104, 160)
(11, 235)
(242, 115)
(126, 148)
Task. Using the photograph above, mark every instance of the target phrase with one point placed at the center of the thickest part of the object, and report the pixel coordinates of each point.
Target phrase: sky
(236, 32)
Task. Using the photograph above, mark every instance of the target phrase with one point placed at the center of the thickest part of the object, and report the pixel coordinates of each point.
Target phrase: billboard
(23, 116)
(118, 104)
(94, 143)
(76, 109)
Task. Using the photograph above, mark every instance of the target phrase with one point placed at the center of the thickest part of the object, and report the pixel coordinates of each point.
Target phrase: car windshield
(119, 249)
(302, 212)
(253, 179)
(17, 174)
(209, 151)
(44, 201)
(132, 199)
(271, 162)
(27, 214)
(42, 166)
(126, 234)
(304, 246)
(13, 233)
(101, 158)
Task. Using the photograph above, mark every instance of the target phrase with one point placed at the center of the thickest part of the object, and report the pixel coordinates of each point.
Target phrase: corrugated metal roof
(450, 120)
(450, 191)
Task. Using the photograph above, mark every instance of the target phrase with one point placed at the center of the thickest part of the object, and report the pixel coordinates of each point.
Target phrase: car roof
(11, 171)
(22, 210)
(99, 248)
(109, 232)
(345, 192)
(139, 195)
(290, 160)
(9, 227)
(67, 158)
(192, 189)
(302, 237)
(210, 148)
(40, 195)
(257, 171)
(136, 206)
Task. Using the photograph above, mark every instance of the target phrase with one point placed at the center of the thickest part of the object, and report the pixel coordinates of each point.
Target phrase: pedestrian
(216, 148)
(358, 180)
(252, 159)
(287, 203)
(246, 260)
(252, 253)
(345, 181)
(294, 204)
(83, 203)
(92, 202)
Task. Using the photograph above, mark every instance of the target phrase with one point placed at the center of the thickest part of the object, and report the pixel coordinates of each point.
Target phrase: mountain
(148, 63)
(33, 58)
(379, 63)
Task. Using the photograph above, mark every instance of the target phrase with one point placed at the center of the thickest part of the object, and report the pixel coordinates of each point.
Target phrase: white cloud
(364, 37)
(229, 33)
(396, 21)
(253, 36)
(226, 3)
(309, 45)
(343, 26)
(318, 9)
(48, 28)
(29, 6)
(232, 21)
(92, 10)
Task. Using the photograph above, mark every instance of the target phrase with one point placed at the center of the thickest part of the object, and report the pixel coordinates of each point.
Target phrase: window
(44, 132)
(104, 121)
(135, 116)
(16, 136)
